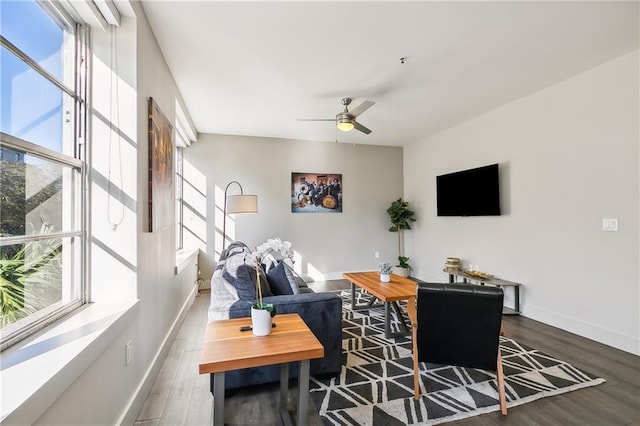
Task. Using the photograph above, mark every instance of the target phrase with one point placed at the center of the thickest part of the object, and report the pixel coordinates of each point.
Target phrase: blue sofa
(322, 312)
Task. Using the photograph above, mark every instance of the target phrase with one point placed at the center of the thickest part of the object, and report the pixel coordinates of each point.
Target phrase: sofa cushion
(298, 282)
(284, 280)
(245, 283)
(278, 280)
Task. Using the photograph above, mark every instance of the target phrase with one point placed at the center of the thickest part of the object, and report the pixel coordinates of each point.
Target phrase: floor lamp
(236, 204)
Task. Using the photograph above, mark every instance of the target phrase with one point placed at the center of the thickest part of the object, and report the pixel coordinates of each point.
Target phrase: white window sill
(184, 257)
(36, 371)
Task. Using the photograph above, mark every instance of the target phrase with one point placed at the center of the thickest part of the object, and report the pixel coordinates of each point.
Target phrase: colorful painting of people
(316, 193)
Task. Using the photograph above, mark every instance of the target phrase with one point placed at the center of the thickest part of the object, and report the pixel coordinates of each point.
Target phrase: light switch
(609, 224)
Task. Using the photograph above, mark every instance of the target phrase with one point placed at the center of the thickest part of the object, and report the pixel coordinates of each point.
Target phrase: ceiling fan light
(345, 125)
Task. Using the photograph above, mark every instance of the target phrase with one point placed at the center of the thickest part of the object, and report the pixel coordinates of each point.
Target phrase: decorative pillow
(297, 280)
(244, 278)
(284, 280)
(278, 280)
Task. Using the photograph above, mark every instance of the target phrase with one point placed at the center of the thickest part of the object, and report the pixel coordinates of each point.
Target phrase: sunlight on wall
(219, 222)
(113, 173)
(103, 102)
(306, 269)
(123, 154)
(314, 273)
(297, 262)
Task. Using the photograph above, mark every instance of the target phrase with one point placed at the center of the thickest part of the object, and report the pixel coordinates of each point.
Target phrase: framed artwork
(316, 193)
(161, 204)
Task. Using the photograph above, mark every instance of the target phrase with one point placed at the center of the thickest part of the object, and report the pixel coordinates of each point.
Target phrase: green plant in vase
(403, 262)
(401, 217)
(385, 271)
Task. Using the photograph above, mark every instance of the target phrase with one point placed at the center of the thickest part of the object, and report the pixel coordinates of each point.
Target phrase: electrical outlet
(127, 350)
(610, 224)
(377, 255)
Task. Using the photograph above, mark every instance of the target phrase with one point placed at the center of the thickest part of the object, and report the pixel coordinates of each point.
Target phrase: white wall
(328, 243)
(568, 158)
(135, 263)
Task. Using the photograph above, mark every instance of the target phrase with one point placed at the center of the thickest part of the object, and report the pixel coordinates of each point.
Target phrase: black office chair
(459, 324)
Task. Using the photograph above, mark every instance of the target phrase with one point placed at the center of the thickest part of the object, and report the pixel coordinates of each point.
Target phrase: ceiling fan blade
(315, 119)
(361, 108)
(360, 127)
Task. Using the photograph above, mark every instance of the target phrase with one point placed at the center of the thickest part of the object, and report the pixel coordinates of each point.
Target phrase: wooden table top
(398, 288)
(227, 348)
(492, 280)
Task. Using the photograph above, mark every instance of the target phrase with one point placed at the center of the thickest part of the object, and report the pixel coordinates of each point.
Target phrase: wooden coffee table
(399, 288)
(227, 348)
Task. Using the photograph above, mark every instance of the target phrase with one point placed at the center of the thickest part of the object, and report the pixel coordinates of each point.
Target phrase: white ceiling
(254, 68)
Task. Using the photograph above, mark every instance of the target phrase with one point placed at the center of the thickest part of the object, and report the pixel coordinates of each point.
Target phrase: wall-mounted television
(473, 192)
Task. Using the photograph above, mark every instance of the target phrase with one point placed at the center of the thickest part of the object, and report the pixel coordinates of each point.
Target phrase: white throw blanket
(223, 293)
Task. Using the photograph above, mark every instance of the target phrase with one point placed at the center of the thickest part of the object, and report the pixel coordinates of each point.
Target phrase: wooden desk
(491, 281)
(398, 288)
(227, 348)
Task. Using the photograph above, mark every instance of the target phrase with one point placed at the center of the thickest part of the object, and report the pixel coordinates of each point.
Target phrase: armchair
(459, 324)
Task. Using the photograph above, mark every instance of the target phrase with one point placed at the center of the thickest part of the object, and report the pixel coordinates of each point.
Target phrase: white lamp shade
(242, 204)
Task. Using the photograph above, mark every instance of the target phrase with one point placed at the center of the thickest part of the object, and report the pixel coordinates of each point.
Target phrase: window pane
(33, 108)
(28, 27)
(38, 196)
(37, 278)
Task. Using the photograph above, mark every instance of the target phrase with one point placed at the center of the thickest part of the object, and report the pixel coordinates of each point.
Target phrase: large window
(42, 172)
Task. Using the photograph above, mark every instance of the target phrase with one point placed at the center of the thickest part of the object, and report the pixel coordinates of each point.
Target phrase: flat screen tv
(473, 192)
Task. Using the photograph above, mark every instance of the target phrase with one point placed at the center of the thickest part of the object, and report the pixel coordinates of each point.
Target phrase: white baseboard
(130, 413)
(589, 330)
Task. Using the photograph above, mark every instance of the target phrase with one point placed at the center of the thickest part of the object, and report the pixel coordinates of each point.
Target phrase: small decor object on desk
(262, 313)
(402, 268)
(453, 263)
(385, 272)
(401, 216)
(261, 319)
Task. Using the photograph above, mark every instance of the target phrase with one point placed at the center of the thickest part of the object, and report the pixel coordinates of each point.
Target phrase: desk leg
(396, 308)
(516, 295)
(284, 393)
(303, 392)
(353, 296)
(284, 384)
(387, 320)
(450, 278)
(218, 399)
(370, 304)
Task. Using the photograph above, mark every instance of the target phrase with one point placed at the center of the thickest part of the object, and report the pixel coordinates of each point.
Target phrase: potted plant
(401, 216)
(262, 313)
(385, 271)
(403, 267)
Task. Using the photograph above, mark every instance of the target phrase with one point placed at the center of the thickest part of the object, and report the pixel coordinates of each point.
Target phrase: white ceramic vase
(261, 322)
(403, 272)
(385, 278)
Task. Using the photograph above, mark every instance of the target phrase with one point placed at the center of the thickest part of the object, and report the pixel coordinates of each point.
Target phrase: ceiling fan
(346, 120)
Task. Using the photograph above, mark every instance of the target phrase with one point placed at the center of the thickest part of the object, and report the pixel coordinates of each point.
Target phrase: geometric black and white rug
(375, 386)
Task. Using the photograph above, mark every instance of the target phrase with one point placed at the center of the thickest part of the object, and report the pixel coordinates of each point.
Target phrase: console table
(491, 281)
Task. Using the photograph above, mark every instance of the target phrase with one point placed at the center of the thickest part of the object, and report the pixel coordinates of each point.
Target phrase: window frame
(179, 175)
(183, 137)
(75, 161)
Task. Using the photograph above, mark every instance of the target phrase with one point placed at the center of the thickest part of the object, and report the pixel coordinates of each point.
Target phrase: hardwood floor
(180, 396)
